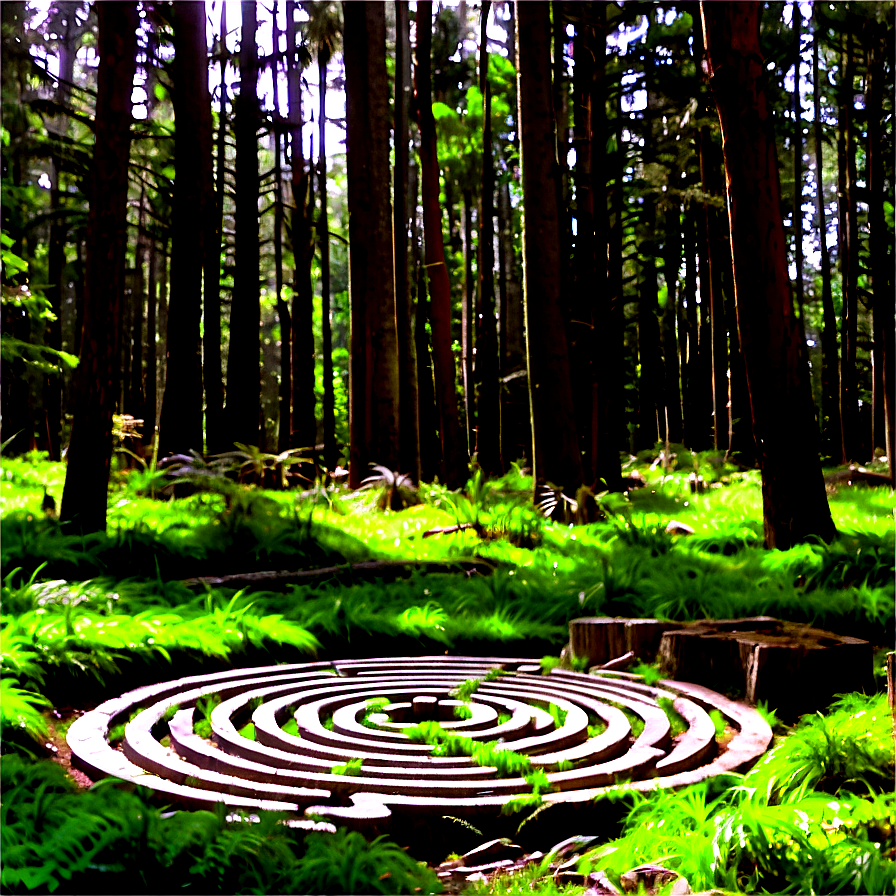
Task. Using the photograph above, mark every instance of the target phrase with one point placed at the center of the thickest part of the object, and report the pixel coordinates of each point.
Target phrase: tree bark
(180, 426)
(303, 420)
(214, 236)
(374, 420)
(243, 371)
(408, 413)
(849, 257)
(90, 449)
(467, 316)
(488, 408)
(794, 503)
(323, 237)
(832, 435)
(555, 449)
(453, 457)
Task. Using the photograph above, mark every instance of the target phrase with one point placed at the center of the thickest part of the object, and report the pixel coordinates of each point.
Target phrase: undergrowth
(107, 840)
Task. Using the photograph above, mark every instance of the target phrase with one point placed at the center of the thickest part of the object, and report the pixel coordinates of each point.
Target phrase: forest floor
(475, 572)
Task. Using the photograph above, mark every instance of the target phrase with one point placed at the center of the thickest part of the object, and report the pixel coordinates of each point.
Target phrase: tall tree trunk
(90, 449)
(488, 407)
(180, 426)
(794, 503)
(284, 391)
(408, 415)
(651, 383)
(589, 285)
(323, 236)
(374, 342)
(671, 263)
(303, 420)
(150, 387)
(453, 457)
(555, 453)
(690, 374)
(52, 391)
(467, 316)
(884, 399)
(832, 435)
(214, 236)
(243, 371)
(798, 171)
(849, 257)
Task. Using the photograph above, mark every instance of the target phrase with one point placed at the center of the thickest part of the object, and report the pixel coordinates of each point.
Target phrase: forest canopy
(428, 235)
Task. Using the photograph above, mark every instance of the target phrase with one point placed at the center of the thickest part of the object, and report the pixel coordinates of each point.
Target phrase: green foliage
(488, 754)
(466, 689)
(108, 840)
(350, 768)
(202, 714)
(557, 714)
(677, 725)
(650, 673)
(793, 824)
(20, 710)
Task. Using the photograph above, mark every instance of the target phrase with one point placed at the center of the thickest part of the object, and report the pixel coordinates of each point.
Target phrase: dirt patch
(57, 747)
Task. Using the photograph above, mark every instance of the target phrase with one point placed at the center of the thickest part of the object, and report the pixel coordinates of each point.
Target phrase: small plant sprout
(465, 690)
(351, 768)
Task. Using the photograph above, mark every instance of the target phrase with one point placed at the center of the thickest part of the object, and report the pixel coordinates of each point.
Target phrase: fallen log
(281, 578)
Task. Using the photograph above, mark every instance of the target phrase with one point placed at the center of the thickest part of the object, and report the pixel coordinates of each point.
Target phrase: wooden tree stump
(604, 638)
(792, 667)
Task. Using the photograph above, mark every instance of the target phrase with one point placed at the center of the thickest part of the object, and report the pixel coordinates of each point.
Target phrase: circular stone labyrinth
(584, 732)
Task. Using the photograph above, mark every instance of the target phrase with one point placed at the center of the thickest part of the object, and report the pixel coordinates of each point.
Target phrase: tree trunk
(794, 502)
(690, 371)
(215, 436)
(323, 237)
(243, 372)
(303, 420)
(849, 257)
(180, 426)
(832, 435)
(453, 457)
(467, 316)
(408, 414)
(90, 449)
(374, 341)
(284, 390)
(555, 453)
(488, 408)
(881, 353)
(671, 263)
(798, 172)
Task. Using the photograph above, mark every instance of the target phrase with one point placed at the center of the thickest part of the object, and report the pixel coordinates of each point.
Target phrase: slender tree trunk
(52, 391)
(303, 420)
(408, 415)
(215, 440)
(794, 502)
(832, 436)
(453, 457)
(374, 420)
(488, 407)
(651, 383)
(671, 264)
(180, 427)
(556, 456)
(90, 449)
(329, 408)
(849, 252)
(150, 387)
(881, 265)
(467, 316)
(798, 171)
(243, 371)
(690, 375)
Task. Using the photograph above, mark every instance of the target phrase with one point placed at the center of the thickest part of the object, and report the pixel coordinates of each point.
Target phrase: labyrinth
(329, 737)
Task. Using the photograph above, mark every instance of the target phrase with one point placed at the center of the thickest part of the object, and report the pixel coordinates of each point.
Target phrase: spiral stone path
(574, 727)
